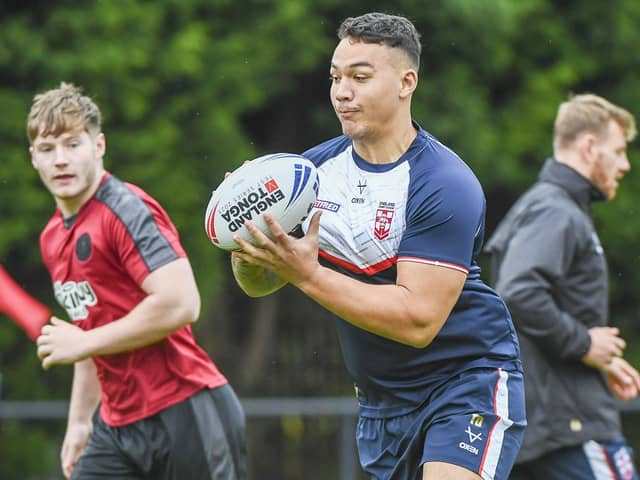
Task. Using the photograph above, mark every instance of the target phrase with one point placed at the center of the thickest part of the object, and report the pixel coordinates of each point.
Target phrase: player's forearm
(386, 310)
(149, 322)
(255, 281)
(85, 392)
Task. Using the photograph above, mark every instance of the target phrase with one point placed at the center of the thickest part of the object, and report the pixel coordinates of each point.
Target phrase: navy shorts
(202, 437)
(475, 420)
(590, 461)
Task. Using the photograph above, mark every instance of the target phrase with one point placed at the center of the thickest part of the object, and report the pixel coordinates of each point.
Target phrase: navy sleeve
(445, 217)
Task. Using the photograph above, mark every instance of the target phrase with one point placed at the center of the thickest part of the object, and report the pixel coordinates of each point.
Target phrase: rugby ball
(283, 184)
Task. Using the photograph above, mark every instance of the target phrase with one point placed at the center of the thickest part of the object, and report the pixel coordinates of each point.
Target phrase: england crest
(382, 227)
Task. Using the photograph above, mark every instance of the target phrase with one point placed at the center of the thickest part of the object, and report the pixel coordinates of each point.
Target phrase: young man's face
(70, 166)
(367, 87)
(610, 162)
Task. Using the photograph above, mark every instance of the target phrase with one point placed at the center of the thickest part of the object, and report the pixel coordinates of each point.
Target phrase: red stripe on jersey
(436, 263)
(372, 270)
(607, 459)
(211, 225)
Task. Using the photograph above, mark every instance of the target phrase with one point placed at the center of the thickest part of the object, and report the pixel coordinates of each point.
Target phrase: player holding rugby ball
(390, 251)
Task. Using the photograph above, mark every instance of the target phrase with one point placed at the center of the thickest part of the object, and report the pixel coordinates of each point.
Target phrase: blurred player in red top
(121, 274)
(27, 312)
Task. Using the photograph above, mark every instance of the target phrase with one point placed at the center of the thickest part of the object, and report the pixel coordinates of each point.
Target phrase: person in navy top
(390, 251)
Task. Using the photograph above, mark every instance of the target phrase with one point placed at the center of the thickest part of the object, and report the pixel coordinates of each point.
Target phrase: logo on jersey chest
(384, 217)
(83, 247)
(326, 205)
(75, 297)
(361, 186)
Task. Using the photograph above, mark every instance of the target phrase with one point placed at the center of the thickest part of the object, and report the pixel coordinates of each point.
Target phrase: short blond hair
(589, 113)
(63, 109)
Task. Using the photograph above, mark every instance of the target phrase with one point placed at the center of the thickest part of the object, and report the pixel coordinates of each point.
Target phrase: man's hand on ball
(293, 259)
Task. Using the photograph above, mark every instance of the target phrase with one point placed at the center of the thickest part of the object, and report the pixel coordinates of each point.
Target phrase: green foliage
(172, 79)
(26, 453)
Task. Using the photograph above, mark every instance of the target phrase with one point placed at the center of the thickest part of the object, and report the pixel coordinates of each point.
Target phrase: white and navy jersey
(427, 207)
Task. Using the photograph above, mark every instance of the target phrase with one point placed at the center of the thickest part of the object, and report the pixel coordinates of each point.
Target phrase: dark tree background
(191, 88)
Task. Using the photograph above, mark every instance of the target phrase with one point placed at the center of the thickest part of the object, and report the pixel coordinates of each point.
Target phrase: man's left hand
(60, 343)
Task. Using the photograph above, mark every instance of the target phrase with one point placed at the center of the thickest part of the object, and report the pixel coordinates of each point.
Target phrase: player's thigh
(207, 435)
(447, 471)
(475, 421)
(102, 465)
(233, 423)
(104, 458)
(479, 424)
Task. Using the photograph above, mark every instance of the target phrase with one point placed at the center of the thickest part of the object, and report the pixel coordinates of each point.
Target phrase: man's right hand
(623, 379)
(606, 344)
(75, 441)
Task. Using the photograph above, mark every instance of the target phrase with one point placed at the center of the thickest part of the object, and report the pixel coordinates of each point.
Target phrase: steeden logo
(326, 205)
(271, 186)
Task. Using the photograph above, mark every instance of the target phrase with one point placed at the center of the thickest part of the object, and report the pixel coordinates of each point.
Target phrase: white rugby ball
(283, 184)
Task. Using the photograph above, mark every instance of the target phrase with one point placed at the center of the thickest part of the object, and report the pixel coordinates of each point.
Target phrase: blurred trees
(191, 88)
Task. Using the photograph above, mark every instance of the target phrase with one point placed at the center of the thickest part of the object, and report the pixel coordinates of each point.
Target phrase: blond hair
(60, 110)
(589, 113)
